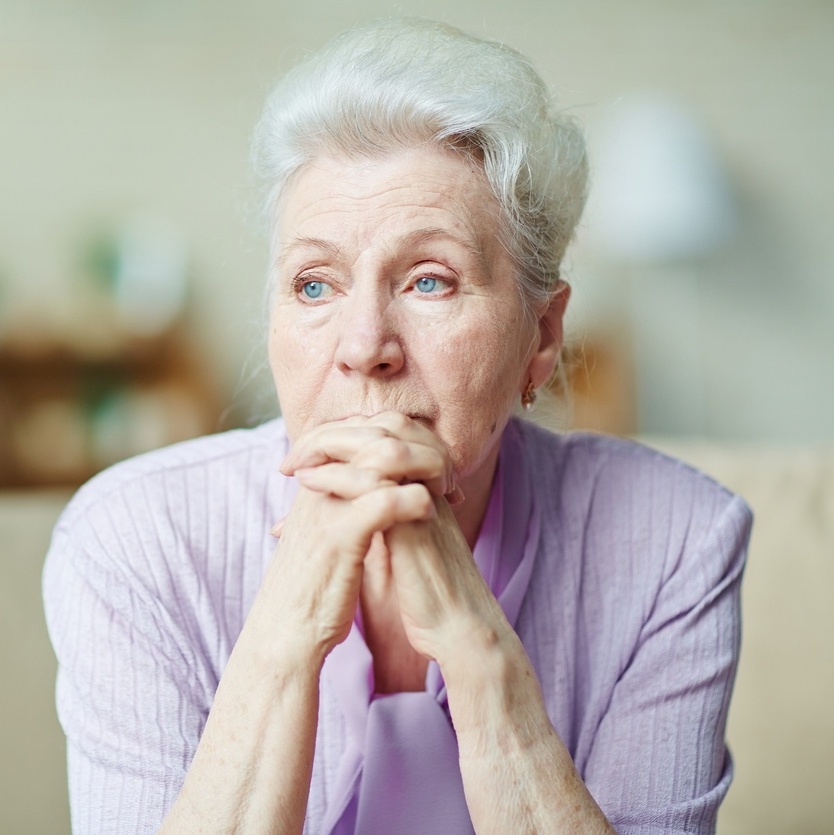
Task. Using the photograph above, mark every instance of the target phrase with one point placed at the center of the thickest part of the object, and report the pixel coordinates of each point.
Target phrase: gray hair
(400, 83)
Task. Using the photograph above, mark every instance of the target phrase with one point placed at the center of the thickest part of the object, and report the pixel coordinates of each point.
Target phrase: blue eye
(312, 289)
(426, 284)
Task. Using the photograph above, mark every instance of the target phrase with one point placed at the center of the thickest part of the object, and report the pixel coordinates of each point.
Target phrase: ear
(550, 336)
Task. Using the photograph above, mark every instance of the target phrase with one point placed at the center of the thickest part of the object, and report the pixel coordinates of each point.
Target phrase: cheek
(295, 363)
(477, 370)
(485, 357)
(281, 349)
(296, 345)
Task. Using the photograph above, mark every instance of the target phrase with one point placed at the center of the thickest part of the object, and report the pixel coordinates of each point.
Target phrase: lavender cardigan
(631, 620)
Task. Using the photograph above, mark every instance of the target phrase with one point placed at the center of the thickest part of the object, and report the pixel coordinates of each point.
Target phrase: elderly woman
(468, 623)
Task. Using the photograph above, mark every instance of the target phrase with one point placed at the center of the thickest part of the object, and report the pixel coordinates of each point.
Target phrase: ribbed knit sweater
(631, 620)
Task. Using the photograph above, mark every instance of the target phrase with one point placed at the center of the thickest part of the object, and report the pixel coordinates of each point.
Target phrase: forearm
(251, 771)
(517, 774)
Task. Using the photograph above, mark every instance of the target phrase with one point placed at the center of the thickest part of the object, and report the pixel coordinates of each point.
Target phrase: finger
(278, 527)
(382, 509)
(348, 482)
(402, 426)
(373, 449)
(329, 442)
(342, 480)
(330, 437)
(395, 423)
(403, 461)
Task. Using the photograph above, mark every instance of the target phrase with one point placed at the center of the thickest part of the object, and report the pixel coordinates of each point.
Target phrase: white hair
(400, 83)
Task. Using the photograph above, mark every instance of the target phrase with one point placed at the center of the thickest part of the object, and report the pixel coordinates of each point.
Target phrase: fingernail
(277, 528)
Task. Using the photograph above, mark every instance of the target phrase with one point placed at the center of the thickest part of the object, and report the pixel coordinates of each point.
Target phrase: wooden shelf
(69, 410)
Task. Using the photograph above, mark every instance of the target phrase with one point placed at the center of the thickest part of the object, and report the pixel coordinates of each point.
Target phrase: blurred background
(132, 260)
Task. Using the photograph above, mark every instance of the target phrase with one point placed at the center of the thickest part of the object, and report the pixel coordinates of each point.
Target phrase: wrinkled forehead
(413, 195)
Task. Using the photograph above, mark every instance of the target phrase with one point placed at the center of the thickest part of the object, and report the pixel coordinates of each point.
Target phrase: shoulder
(240, 455)
(636, 549)
(595, 453)
(176, 523)
(171, 545)
(592, 466)
(609, 496)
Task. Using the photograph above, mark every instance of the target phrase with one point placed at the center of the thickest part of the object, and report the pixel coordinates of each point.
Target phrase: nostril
(371, 350)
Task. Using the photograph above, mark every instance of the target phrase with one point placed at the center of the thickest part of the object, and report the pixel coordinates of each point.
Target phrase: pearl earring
(528, 397)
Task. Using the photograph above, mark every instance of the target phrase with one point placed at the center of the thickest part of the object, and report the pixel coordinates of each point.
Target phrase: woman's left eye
(312, 289)
(429, 284)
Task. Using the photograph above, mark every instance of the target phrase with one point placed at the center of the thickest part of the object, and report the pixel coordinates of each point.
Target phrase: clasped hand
(387, 482)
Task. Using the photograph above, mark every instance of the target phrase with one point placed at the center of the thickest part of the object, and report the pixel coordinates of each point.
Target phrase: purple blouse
(618, 567)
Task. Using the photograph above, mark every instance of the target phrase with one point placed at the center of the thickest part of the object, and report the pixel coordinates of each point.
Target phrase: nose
(369, 340)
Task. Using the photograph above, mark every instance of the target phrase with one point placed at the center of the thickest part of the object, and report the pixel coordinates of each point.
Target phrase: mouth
(426, 421)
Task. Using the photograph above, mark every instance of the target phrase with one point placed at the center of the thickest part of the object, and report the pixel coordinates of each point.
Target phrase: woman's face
(393, 292)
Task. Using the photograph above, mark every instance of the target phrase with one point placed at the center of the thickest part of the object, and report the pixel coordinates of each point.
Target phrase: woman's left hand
(444, 602)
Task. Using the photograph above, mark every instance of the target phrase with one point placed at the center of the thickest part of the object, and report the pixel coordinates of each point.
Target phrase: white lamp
(659, 203)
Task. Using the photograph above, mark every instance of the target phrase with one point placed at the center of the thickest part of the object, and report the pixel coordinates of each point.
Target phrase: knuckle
(399, 451)
(395, 421)
(419, 496)
(367, 477)
(392, 450)
(438, 459)
(374, 435)
(384, 501)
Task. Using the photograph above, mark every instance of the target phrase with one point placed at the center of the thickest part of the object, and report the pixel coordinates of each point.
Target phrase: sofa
(781, 727)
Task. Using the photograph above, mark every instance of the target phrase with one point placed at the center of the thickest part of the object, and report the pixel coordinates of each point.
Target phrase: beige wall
(107, 109)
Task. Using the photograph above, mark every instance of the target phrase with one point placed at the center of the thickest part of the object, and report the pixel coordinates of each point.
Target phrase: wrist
(276, 666)
(494, 695)
(277, 650)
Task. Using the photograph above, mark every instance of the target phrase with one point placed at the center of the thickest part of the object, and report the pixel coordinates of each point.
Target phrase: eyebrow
(421, 236)
(415, 238)
(329, 247)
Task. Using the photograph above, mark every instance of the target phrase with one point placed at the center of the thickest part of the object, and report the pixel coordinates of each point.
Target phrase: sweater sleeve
(658, 763)
(132, 697)
(150, 575)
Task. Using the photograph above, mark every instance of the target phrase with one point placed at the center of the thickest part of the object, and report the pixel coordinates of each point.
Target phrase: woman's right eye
(312, 289)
